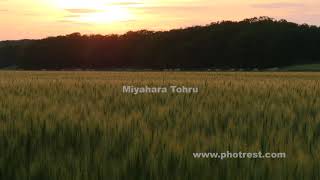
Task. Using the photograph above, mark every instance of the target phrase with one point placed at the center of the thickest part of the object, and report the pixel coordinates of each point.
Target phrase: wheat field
(81, 126)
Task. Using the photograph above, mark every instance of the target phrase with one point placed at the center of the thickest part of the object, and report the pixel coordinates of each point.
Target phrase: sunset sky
(25, 19)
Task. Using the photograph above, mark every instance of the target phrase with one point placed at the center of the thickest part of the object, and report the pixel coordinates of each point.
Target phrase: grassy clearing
(79, 125)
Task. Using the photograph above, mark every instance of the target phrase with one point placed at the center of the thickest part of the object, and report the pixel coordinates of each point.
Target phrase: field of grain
(81, 126)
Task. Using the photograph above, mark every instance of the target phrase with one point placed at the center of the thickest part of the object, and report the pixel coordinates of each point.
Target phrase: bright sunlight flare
(107, 15)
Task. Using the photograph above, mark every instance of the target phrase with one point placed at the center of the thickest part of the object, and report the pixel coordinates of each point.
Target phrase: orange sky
(20, 19)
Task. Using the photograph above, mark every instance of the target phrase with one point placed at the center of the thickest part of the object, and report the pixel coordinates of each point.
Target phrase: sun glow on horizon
(97, 11)
(104, 16)
(33, 19)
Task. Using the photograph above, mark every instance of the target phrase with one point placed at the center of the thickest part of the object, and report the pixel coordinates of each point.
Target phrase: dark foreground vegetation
(252, 43)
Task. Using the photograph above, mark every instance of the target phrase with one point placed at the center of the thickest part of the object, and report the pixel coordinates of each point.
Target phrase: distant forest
(252, 43)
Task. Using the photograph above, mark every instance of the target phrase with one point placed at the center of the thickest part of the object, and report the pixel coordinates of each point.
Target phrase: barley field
(81, 126)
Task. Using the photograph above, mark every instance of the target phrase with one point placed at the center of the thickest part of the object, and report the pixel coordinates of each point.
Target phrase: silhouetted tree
(260, 42)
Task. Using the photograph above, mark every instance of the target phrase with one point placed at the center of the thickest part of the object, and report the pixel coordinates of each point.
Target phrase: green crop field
(81, 126)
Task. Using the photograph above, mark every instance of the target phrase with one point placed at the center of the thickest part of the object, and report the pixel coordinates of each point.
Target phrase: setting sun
(106, 15)
(96, 11)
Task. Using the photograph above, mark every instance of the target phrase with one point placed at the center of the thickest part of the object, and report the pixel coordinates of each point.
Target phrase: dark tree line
(252, 43)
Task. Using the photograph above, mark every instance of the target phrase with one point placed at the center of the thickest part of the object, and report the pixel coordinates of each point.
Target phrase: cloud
(172, 9)
(82, 11)
(72, 16)
(278, 5)
(72, 22)
(124, 4)
(31, 14)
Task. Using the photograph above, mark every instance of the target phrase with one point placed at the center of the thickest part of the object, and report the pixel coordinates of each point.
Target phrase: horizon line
(159, 30)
